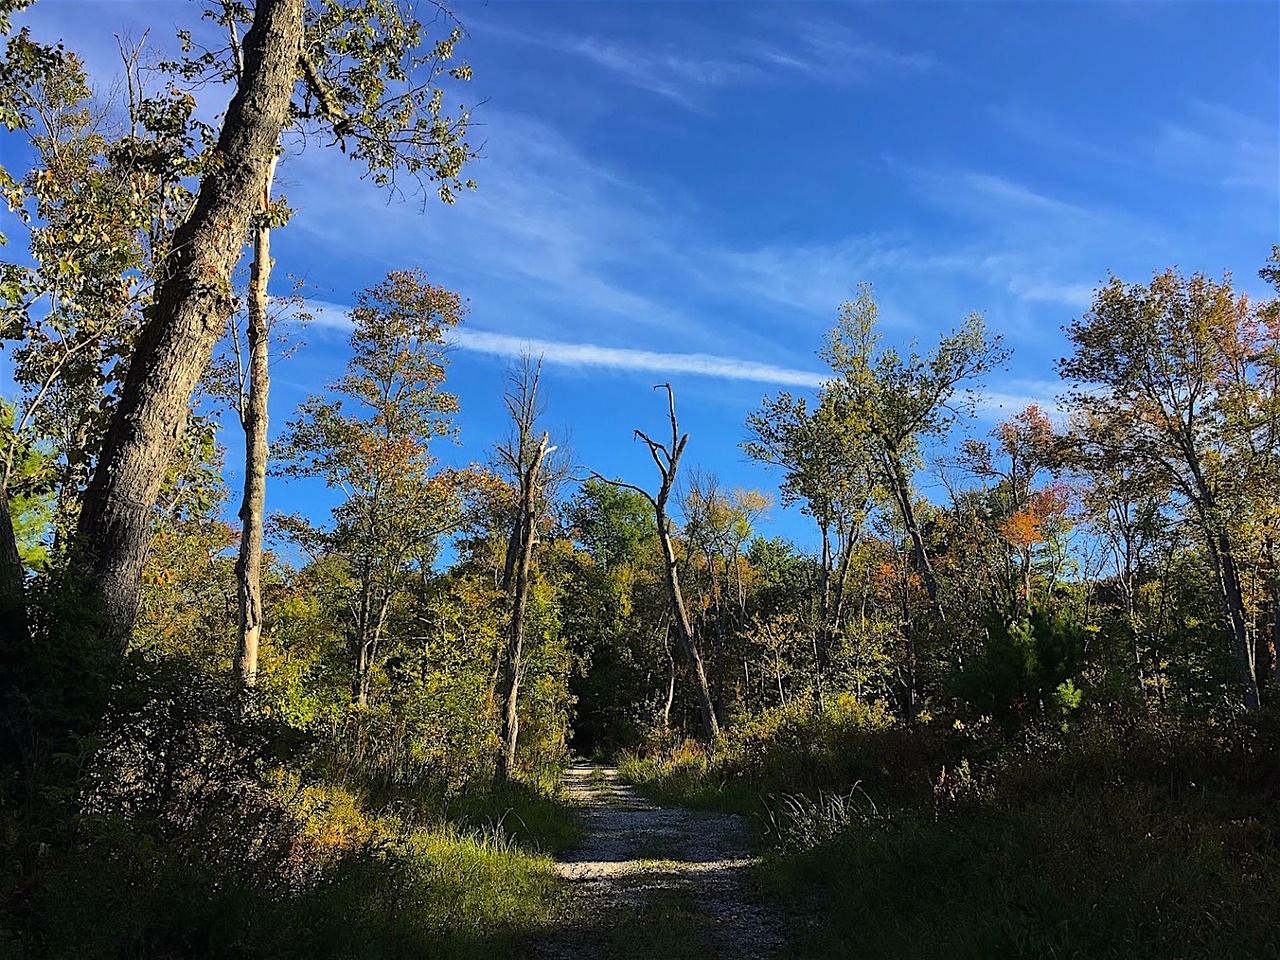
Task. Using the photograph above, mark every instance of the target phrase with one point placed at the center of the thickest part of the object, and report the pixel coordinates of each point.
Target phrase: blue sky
(713, 179)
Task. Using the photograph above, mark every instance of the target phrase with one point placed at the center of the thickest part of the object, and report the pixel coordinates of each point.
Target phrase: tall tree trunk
(1273, 641)
(821, 640)
(1230, 590)
(721, 644)
(909, 637)
(1222, 558)
(667, 459)
(254, 419)
(192, 303)
(671, 682)
(524, 527)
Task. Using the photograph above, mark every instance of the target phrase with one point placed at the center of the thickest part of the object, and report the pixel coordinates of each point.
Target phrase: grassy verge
(437, 892)
(687, 779)
(536, 819)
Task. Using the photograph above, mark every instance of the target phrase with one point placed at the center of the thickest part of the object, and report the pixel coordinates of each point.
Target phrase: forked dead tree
(667, 458)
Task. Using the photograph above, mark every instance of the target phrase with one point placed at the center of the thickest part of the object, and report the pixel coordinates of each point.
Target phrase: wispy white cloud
(833, 52)
(1033, 244)
(1039, 290)
(1054, 137)
(1015, 395)
(991, 404)
(552, 236)
(1222, 145)
(687, 70)
(1208, 143)
(621, 358)
(334, 316)
(814, 278)
(325, 315)
(665, 72)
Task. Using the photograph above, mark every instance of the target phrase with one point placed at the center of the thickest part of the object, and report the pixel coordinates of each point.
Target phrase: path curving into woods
(652, 881)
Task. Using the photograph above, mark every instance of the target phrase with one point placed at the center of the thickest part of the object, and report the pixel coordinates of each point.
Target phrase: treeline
(1120, 549)
(1036, 715)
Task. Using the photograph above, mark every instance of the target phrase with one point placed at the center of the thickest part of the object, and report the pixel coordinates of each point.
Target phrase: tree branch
(626, 486)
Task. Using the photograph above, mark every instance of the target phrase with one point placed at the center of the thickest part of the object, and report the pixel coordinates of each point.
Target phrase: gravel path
(657, 881)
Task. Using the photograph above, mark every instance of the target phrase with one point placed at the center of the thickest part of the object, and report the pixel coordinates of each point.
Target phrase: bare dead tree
(525, 457)
(667, 458)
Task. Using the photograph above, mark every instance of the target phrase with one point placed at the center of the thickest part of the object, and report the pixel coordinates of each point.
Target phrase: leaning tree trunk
(684, 628)
(192, 303)
(667, 459)
(254, 419)
(901, 489)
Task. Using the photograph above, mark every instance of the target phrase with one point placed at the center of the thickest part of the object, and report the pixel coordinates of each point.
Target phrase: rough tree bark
(192, 303)
(253, 417)
(1231, 591)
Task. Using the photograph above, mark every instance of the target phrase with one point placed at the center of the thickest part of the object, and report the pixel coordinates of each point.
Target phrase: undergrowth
(1118, 835)
(201, 825)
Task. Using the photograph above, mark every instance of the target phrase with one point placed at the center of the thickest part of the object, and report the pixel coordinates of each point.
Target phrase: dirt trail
(653, 881)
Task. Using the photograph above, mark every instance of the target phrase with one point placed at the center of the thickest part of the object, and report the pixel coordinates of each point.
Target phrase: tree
(1183, 365)
(903, 398)
(1026, 516)
(370, 438)
(192, 302)
(666, 456)
(1128, 505)
(525, 457)
(362, 76)
(612, 522)
(717, 524)
(828, 470)
(616, 614)
(95, 206)
(253, 380)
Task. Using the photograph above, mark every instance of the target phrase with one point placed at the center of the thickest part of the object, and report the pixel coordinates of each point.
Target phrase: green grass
(688, 782)
(537, 820)
(446, 891)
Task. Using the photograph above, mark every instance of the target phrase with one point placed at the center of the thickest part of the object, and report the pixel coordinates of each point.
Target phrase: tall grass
(1123, 835)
